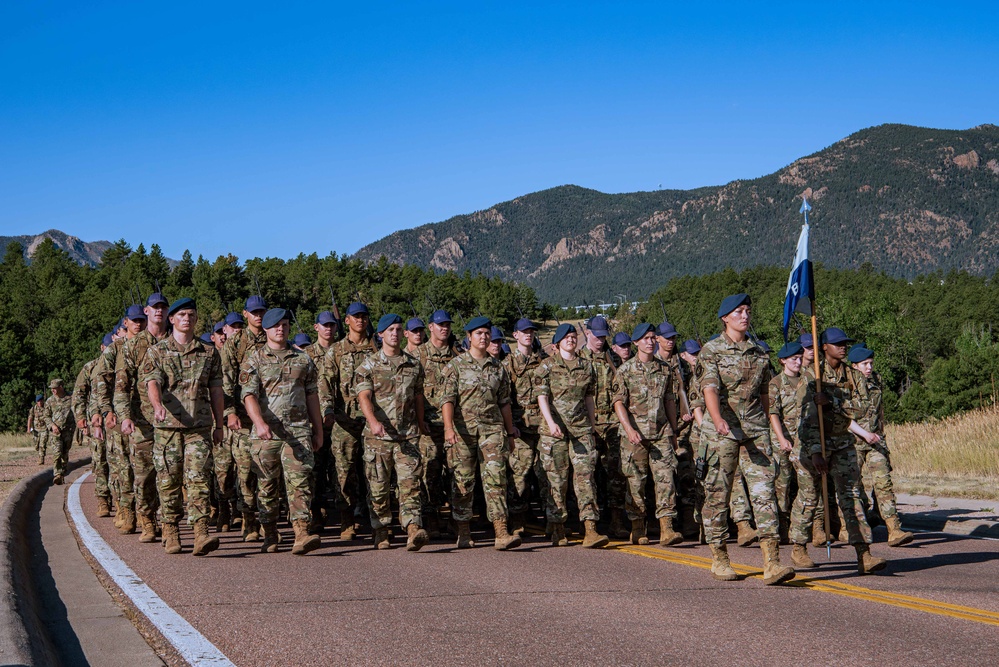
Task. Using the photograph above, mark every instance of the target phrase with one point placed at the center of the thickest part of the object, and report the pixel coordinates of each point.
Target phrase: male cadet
(523, 454)
(343, 358)
(108, 402)
(232, 323)
(36, 427)
(785, 416)
(282, 400)
(415, 333)
(496, 343)
(84, 407)
(322, 470)
(218, 335)
(59, 421)
(607, 433)
(688, 488)
(301, 340)
(239, 346)
(183, 378)
(135, 412)
(434, 357)
(621, 346)
(478, 422)
(645, 403)
(389, 387)
(843, 390)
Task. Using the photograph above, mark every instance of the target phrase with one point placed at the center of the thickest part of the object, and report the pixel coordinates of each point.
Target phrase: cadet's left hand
(686, 416)
(81, 424)
(821, 466)
(317, 441)
(377, 428)
(159, 413)
(785, 445)
(515, 433)
(872, 438)
(424, 428)
(217, 435)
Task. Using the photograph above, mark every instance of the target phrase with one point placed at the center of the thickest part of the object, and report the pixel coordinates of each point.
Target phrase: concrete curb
(23, 641)
(966, 527)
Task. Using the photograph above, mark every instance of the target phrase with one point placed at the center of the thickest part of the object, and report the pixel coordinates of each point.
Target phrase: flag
(800, 284)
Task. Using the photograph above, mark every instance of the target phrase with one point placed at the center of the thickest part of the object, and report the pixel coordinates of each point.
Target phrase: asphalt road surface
(348, 604)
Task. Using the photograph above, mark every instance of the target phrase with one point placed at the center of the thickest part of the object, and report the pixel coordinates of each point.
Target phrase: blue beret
(835, 336)
(859, 353)
(524, 324)
(478, 323)
(206, 338)
(218, 326)
(598, 325)
(107, 340)
(691, 346)
(641, 330)
(730, 303)
(273, 317)
(440, 317)
(39, 397)
(621, 339)
(505, 348)
(789, 350)
(326, 317)
(255, 303)
(563, 329)
(134, 313)
(666, 330)
(184, 303)
(156, 299)
(415, 323)
(496, 333)
(388, 320)
(301, 340)
(357, 308)
(806, 340)
(233, 318)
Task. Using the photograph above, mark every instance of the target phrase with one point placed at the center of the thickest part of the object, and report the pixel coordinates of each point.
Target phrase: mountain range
(82, 252)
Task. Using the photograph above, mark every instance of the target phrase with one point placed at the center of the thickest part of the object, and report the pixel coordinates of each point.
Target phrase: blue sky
(269, 129)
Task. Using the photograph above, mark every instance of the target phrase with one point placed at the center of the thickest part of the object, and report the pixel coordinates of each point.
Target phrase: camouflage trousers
(490, 450)
(782, 482)
(637, 461)
(147, 499)
(608, 442)
(247, 478)
(806, 502)
(754, 459)
(99, 467)
(123, 478)
(875, 471)
(522, 460)
(323, 477)
(225, 468)
(557, 455)
(290, 460)
(43, 445)
(844, 478)
(62, 444)
(183, 461)
(739, 506)
(382, 459)
(346, 445)
(432, 457)
(686, 482)
(38, 437)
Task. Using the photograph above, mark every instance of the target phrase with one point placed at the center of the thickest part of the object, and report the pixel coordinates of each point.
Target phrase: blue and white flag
(800, 284)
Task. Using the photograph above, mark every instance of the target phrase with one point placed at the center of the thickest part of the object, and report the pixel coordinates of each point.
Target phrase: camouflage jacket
(846, 389)
(234, 353)
(59, 412)
(281, 381)
(131, 401)
(646, 390)
(870, 413)
(434, 361)
(477, 389)
(784, 403)
(36, 417)
(104, 388)
(345, 356)
(83, 393)
(327, 397)
(566, 384)
(185, 374)
(740, 373)
(523, 399)
(604, 366)
(396, 384)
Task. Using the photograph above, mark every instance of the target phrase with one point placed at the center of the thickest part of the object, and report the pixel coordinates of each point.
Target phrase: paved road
(347, 603)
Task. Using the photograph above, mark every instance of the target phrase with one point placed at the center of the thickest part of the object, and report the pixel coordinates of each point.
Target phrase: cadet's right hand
(821, 466)
(785, 445)
(451, 436)
(377, 428)
(317, 442)
(556, 431)
(328, 422)
(722, 428)
(111, 421)
(98, 432)
(127, 425)
(232, 421)
(159, 413)
(95, 421)
(821, 398)
(263, 432)
(81, 423)
(634, 437)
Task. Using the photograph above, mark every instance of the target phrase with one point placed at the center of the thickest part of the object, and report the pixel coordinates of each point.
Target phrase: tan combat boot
(896, 536)
(171, 538)
(347, 532)
(381, 538)
(103, 509)
(667, 536)
(638, 532)
(127, 521)
(592, 539)
(224, 519)
(251, 527)
(867, 562)
(818, 533)
(721, 566)
(800, 557)
(464, 535)
(203, 542)
(148, 526)
(504, 540)
(747, 534)
(304, 542)
(773, 571)
(559, 538)
(271, 538)
(417, 538)
(618, 527)
(119, 516)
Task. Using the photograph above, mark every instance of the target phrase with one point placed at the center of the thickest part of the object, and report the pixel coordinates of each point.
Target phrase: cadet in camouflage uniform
(644, 400)
(135, 412)
(183, 378)
(84, 407)
(735, 384)
(565, 385)
(477, 425)
(621, 346)
(282, 400)
(36, 427)
(343, 359)
(690, 354)
(844, 390)
(606, 432)
(416, 335)
(389, 387)
(238, 347)
(59, 421)
(520, 366)
(434, 356)
(324, 477)
(875, 458)
(783, 413)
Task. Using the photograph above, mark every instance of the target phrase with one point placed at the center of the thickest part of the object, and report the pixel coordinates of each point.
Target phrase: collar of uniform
(481, 364)
(434, 351)
(561, 362)
(280, 354)
(746, 344)
(193, 346)
(366, 344)
(396, 361)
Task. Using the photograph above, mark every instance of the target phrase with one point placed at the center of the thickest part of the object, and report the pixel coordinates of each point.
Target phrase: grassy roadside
(18, 459)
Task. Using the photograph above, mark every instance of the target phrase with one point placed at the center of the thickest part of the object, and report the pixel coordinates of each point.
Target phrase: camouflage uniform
(182, 443)
(696, 398)
(527, 418)
(739, 373)
(59, 412)
(235, 351)
(323, 477)
(85, 407)
(607, 435)
(567, 385)
(346, 356)
(478, 390)
(686, 485)
(39, 434)
(282, 381)
(396, 384)
(646, 389)
(434, 361)
(875, 459)
(784, 404)
(119, 464)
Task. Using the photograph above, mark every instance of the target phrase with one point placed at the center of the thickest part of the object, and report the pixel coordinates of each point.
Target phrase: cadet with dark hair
(621, 346)
(59, 421)
(415, 333)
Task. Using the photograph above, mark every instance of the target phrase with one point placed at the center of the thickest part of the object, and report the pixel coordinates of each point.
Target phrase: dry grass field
(18, 459)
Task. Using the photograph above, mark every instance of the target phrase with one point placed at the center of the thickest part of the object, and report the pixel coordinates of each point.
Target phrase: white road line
(191, 644)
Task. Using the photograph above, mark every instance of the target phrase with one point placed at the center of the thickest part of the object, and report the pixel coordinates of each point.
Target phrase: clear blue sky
(267, 129)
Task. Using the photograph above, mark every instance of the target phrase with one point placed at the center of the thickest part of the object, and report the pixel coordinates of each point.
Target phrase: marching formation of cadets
(244, 425)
